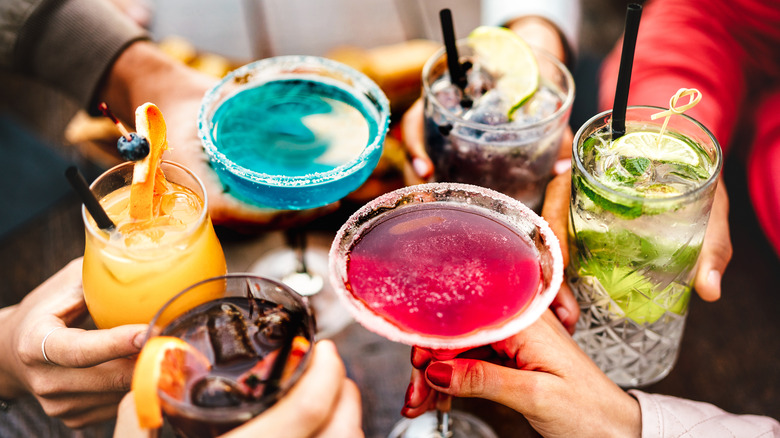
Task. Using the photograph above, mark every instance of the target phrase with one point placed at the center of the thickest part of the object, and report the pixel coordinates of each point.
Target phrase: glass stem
(296, 239)
(443, 407)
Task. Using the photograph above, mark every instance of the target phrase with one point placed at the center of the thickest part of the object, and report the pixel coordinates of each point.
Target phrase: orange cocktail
(131, 272)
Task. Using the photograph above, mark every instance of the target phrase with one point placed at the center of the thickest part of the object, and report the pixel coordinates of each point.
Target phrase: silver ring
(43, 345)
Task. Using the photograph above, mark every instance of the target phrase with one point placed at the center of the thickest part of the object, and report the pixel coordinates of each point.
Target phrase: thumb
(77, 348)
(716, 249)
(474, 378)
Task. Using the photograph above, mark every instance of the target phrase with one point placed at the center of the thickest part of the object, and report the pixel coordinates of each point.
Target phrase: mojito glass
(471, 137)
(639, 209)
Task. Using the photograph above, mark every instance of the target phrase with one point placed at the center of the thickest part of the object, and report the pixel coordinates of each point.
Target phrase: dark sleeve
(67, 44)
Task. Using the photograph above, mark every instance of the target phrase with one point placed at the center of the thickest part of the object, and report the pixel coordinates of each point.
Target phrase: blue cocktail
(294, 132)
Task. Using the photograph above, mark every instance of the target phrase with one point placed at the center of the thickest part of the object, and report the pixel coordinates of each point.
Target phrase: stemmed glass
(295, 133)
(448, 267)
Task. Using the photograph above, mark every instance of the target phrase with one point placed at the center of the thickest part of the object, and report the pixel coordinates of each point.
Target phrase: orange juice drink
(132, 271)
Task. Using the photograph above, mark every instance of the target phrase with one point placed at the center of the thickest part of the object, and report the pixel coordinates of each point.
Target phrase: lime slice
(506, 56)
(647, 145)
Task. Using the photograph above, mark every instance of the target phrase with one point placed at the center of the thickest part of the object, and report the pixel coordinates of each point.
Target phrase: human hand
(539, 372)
(323, 404)
(89, 370)
(143, 73)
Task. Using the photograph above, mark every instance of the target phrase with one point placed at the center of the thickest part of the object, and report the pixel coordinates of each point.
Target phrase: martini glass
(448, 267)
(295, 133)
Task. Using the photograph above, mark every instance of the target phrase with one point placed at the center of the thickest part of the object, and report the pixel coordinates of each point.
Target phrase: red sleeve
(715, 46)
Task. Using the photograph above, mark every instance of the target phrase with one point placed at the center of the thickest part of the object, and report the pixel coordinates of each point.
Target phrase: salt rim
(381, 326)
(362, 81)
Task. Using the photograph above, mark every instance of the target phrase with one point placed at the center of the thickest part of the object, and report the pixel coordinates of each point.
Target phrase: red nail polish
(440, 374)
(408, 396)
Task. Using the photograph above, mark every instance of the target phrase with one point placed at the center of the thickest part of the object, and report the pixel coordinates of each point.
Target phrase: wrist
(144, 73)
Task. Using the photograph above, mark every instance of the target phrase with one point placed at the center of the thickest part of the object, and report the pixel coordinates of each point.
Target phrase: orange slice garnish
(147, 176)
(165, 363)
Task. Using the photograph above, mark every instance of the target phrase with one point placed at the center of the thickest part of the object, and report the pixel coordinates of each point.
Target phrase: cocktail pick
(107, 112)
(457, 75)
(93, 206)
(695, 97)
(633, 14)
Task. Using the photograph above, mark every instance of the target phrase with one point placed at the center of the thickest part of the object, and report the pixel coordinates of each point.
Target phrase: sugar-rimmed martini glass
(293, 133)
(448, 267)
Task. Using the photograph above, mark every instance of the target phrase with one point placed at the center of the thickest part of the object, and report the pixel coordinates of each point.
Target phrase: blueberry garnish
(134, 149)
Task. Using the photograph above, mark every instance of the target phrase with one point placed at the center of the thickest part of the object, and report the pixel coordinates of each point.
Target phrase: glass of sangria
(240, 342)
(448, 267)
(295, 133)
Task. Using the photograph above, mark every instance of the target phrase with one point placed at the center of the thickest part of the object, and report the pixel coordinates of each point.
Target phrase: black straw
(633, 14)
(90, 201)
(457, 75)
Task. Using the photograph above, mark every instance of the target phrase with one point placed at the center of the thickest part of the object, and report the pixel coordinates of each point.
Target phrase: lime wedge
(506, 56)
(647, 145)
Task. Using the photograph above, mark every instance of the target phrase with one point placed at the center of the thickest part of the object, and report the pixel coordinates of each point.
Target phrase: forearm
(68, 44)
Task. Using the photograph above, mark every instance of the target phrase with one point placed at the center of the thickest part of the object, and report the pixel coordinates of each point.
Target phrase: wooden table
(729, 356)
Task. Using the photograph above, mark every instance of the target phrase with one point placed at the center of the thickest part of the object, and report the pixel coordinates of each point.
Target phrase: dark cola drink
(255, 348)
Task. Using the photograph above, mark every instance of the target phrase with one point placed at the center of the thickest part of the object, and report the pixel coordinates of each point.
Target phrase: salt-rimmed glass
(295, 191)
(499, 207)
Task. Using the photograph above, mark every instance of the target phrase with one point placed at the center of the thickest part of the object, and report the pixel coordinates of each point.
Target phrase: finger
(78, 348)
(412, 133)
(421, 357)
(418, 393)
(90, 414)
(347, 419)
(307, 407)
(126, 420)
(556, 210)
(566, 308)
(470, 378)
(716, 250)
(55, 381)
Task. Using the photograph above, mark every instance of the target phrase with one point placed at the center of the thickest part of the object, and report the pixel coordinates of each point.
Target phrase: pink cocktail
(446, 266)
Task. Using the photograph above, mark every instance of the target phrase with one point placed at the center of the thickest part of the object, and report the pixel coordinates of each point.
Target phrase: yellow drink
(132, 272)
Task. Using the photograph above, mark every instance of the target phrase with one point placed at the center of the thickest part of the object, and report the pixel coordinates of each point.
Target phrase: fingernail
(440, 374)
(562, 313)
(713, 278)
(561, 166)
(420, 167)
(138, 339)
(408, 397)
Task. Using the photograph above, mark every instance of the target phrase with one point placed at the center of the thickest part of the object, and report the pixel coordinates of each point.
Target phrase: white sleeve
(667, 416)
(566, 14)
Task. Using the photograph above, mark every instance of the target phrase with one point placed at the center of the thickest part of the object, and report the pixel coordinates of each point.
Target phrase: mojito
(639, 210)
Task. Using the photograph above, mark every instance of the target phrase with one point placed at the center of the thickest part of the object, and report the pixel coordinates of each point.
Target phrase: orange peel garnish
(164, 363)
(147, 175)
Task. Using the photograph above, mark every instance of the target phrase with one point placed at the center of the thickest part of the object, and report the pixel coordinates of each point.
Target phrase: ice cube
(216, 392)
(228, 334)
(489, 110)
(478, 83)
(273, 326)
